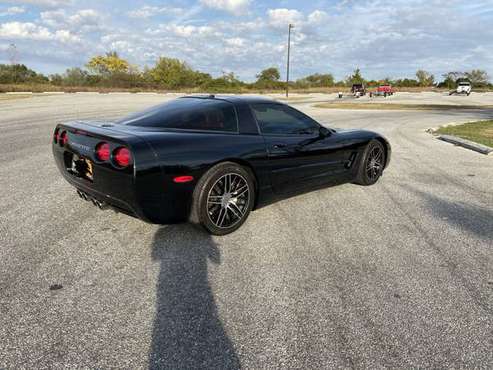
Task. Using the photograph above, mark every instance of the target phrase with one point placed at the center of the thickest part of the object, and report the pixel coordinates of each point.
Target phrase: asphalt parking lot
(396, 275)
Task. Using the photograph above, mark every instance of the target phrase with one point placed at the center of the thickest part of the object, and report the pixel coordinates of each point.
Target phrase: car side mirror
(324, 132)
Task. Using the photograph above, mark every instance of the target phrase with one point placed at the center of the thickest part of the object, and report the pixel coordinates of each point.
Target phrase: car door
(301, 153)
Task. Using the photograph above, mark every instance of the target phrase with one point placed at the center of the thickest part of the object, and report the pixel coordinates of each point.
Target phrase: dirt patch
(14, 97)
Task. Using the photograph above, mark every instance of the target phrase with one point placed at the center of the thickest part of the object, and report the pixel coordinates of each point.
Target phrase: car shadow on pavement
(188, 333)
(471, 218)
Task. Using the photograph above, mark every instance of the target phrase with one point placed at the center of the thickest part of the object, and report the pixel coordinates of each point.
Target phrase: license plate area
(81, 167)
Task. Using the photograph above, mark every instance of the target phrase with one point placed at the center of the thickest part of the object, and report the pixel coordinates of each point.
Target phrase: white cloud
(235, 7)
(317, 17)
(85, 17)
(42, 3)
(24, 31)
(83, 20)
(13, 10)
(183, 30)
(282, 17)
(235, 42)
(65, 36)
(150, 11)
(31, 31)
(53, 17)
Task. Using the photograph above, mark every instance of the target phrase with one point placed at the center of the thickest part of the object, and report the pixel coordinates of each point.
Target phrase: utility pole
(289, 50)
(13, 55)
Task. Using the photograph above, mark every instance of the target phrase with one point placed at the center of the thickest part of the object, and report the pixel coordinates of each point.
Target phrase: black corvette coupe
(211, 159)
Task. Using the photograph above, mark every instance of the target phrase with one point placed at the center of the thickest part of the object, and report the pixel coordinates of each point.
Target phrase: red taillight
(182, 179)
(122, 157)
(103, 151)
(63, 138)
(55, 135)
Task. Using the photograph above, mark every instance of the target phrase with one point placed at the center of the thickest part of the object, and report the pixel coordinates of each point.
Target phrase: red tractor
(382, 90)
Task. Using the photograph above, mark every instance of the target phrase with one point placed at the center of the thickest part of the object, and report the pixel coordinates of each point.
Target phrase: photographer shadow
(188, 333)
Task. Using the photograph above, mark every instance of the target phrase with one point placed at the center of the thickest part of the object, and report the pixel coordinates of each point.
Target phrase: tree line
(112, 71)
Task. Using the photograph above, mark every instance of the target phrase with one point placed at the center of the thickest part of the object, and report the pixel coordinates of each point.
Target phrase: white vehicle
(463, 87)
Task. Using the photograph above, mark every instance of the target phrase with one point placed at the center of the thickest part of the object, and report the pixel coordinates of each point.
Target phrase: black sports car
(211, 159)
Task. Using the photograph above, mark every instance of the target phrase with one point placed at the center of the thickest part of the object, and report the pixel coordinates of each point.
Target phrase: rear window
(187, 114)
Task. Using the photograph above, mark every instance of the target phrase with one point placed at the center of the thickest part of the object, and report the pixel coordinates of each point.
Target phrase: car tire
(223, 198)
(372, 164)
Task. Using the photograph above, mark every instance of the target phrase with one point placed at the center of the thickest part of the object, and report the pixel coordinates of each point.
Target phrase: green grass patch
(480, 132)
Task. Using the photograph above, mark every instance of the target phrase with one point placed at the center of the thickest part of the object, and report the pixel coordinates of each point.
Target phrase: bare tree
(478, 77)
(425, 78)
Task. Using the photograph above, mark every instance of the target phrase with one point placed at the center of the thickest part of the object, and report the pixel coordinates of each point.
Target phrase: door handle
(279, 146)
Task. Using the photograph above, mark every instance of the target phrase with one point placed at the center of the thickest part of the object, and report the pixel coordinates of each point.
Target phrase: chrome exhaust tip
(82, 195)
(101, 205)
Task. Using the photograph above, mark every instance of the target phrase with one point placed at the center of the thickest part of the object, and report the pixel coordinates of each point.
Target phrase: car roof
(235, 99)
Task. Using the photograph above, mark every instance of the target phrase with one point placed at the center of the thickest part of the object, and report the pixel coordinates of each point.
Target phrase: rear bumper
(97, 191)
(141, 194)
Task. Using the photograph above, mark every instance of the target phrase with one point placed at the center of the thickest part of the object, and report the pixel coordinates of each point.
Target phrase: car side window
(280, 119)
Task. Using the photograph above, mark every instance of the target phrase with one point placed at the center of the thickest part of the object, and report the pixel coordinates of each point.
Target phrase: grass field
(479, 132)
(399, 106)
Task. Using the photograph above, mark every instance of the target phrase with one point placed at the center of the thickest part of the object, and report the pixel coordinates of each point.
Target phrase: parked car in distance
(382, 90)
(463, 87)
(358, 90)
(211, 159)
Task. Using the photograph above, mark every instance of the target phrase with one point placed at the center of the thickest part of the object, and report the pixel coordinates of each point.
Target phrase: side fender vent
(350, 161)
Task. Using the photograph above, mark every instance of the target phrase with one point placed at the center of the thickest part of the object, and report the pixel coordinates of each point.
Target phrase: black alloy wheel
(372, 164)
(223, 198)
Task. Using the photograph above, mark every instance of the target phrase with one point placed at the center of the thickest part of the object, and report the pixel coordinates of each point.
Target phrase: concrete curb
(483, 149)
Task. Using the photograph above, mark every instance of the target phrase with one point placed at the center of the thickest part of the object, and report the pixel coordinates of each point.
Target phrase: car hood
(354, 131)
(360, 134)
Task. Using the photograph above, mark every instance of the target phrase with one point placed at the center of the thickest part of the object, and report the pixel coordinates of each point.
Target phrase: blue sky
(385, 38)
